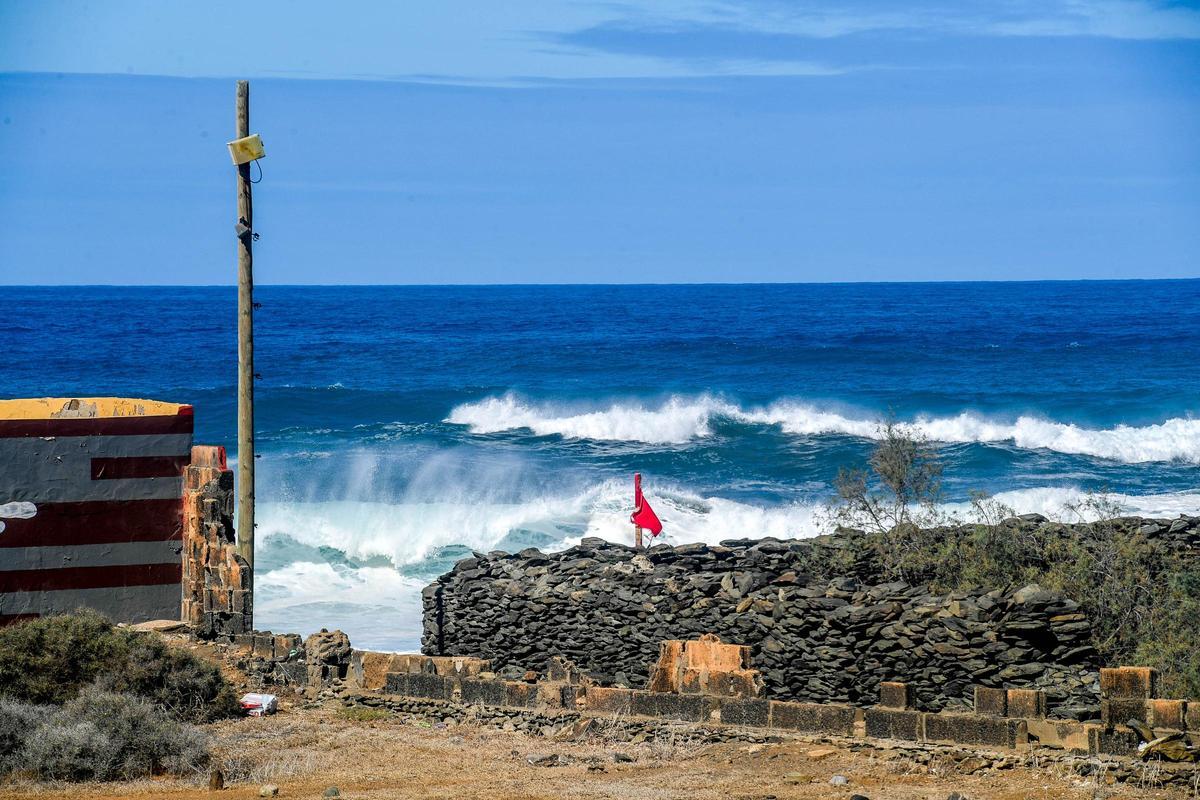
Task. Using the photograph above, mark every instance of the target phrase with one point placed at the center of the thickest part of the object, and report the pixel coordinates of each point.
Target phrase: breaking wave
(360, 566)
(678, 420)
(411, 533)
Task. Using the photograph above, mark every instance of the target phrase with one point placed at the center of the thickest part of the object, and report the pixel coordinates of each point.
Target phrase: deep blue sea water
(400, 426)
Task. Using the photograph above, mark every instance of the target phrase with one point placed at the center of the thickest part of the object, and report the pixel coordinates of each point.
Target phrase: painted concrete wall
(91, 506)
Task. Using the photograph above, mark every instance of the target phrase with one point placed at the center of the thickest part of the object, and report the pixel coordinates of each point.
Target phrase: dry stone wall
(814, 637)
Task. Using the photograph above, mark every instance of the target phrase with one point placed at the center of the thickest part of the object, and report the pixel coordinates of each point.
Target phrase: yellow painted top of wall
(74, 407)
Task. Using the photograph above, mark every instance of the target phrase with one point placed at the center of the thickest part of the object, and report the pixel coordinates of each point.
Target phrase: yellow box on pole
(247, 149)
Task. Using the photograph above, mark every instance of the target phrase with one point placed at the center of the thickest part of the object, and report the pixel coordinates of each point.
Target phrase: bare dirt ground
(306, 751)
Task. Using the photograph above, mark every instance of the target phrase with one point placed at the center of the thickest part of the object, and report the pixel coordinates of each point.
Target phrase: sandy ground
(304, 752)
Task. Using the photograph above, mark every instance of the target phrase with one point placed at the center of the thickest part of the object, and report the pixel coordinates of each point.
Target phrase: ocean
(401, 427)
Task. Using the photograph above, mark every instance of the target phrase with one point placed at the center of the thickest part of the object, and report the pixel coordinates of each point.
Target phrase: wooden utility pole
(245, 404)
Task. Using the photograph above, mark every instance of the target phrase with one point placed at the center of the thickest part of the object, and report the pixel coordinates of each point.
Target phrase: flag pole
(637, 537)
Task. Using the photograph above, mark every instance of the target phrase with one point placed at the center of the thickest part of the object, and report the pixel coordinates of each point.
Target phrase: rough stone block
(690, 708)
(1119, 683)
(520, 695)
(1168, 714)
(431, 687)
(1192, 715)
(396, 683)
(1029, 703)
(411, 663)
(264, 646)
(993, 702)
(704, 666)
(563, 671)
(569, 696)
(1111, 742)
(1120, 710)
(286, 644)
(814, 717)
(890, 723)
(609, 701)
(369, 670)
(976, 729)
(457, 666)
(753, 713)
(1059, 734)
(291, 673)
(895, 694)
(488, 693)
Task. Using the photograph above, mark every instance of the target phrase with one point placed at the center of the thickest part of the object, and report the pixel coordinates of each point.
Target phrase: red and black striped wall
(91, 509)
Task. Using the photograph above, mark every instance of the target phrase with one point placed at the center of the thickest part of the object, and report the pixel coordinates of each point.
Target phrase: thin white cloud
(1117, 19)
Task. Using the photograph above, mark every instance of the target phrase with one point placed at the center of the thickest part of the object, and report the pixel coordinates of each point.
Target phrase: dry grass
(306, 751)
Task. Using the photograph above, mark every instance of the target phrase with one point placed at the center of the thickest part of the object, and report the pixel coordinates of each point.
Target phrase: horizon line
(585, 283)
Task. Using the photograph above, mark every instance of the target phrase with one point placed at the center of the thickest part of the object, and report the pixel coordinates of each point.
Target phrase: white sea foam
(680, 419)
(379, 607)
(408, 533)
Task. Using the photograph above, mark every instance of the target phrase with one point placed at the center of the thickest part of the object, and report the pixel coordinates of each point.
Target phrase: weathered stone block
(992, 702)
(1119, 711)
(1112, 742)
(520, 695)
(1059, 734)
(814, 717)
(976, 729)
(488, 693)
(287, 644)
(1030, 703)
(704, 666)
(608, 700)
(1166, 714)
(690, 708)
(1128, 683)
(457, 666)
(1192, 715)
(895, 694)
(431, 687)
(569, 696)
(889, 723)
(292, 673)
(753, 713)
(396, 683)
(264, 645)
(369, 670)
(563, 670)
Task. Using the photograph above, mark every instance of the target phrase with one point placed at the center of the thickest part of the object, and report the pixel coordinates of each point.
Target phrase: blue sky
(675, 141)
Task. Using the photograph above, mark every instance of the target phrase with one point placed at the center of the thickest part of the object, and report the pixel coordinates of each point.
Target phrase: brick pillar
(217, 584)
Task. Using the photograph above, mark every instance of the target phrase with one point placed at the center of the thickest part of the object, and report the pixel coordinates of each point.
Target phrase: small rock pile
(814, 637)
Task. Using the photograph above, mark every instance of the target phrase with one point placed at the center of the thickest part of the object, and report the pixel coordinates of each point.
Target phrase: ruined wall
(90, 506)
(217, 586)
(814, 638)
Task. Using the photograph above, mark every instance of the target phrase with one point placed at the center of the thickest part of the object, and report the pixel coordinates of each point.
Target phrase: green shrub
(51, 659)
(1141, 597)
(103, 736)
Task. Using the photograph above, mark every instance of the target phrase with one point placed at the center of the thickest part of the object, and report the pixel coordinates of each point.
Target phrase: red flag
(643, 515)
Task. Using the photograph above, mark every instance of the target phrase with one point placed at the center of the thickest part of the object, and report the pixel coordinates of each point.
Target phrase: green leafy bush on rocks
(50, 660)
(1137, 580)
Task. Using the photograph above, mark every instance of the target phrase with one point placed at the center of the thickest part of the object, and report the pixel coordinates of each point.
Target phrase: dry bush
(99, 736)
(49, 660)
